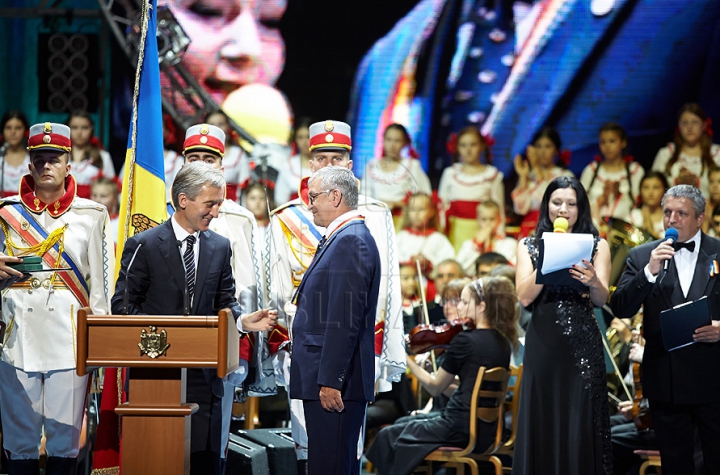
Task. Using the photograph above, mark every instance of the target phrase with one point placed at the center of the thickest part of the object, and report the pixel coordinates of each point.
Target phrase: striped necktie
(189, 258)
(320, 245)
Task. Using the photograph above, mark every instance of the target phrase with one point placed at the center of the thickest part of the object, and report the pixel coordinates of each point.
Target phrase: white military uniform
(39, 352)
(293, 240)
(238, 225)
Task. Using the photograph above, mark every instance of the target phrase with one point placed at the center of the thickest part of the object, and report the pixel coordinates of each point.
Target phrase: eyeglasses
(312, 196)
(449, 302)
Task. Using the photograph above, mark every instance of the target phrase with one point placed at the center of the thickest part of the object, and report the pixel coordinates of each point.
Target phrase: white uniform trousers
(33, 403)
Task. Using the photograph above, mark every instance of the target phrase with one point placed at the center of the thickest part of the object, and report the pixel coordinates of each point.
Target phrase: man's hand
(260, 320)
(331, 399)
(659, 255)
(5, 270)
(708, 333)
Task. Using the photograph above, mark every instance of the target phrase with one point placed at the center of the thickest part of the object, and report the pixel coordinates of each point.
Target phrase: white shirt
(332, 227)
(181, 235)
(685, 262)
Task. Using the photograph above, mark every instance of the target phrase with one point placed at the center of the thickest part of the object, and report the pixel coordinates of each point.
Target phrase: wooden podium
(156, 421)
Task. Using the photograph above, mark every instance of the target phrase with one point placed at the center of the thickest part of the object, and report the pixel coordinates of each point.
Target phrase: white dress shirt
(685, 262)
(181, 235)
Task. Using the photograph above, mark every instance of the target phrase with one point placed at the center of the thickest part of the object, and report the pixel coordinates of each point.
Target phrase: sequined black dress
(563, 424)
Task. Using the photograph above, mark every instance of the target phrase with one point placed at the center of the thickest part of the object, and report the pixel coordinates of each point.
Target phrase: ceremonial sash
(345, 224)
(300, 226)
(15, 215)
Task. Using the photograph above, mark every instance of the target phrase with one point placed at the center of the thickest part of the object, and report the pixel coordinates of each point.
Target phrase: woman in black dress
(491, 304)
(563, 423)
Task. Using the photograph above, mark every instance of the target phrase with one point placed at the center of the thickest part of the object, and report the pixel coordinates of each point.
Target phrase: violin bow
(426, 314)
(617, 370)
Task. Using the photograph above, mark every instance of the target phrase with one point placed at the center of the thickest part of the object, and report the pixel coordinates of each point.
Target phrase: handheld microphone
(126, 294)
(186, 293)
(3, 149)
(560, 225)
(671, 236)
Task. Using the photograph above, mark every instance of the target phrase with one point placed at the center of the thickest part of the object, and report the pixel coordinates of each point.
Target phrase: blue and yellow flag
(142, 203)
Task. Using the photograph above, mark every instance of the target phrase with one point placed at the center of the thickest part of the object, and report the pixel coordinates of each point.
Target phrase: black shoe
(23, 467)
(60, 466)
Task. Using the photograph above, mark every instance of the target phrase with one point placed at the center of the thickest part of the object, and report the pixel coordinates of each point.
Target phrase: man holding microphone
(660, 275)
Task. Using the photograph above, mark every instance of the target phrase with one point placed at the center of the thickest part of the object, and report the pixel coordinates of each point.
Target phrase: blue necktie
(320, 245)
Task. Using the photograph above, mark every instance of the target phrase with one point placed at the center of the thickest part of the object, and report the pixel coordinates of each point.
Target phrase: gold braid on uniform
(39, 249)
(290, 237)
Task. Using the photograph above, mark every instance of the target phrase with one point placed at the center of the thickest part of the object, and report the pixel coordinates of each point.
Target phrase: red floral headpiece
(564, 157)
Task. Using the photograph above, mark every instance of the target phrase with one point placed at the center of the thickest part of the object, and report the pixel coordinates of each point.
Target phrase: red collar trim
(34, 204)
(303, 189)
(425, 232)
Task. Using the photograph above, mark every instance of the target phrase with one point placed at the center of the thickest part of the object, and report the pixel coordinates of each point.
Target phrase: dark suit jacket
(156, 284)
(333, 328)
(687, 375)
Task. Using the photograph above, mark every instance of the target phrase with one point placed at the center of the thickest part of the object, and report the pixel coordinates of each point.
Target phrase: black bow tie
(690, 246)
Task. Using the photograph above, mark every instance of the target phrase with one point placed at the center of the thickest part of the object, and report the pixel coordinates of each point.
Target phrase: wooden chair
(513, 406)
(456, 457)
(652, 459)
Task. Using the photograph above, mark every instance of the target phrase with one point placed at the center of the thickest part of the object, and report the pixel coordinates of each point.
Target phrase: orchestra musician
(490, 304)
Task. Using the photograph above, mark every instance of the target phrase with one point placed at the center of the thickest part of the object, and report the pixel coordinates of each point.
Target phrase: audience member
(419, 239)
(535, 172)
(298, 166)
(692, 154)
(649, 214)
(612, 181)
(392, 177)
(14, 127)
(488, 238)
(487, 262)
(469, 181)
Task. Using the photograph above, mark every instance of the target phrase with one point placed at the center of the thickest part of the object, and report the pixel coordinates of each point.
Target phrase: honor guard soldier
(40, 391)
(294, 238)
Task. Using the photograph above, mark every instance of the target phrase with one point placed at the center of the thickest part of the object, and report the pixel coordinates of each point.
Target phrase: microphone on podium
(560, 225)
(141, 243)
(671, 236)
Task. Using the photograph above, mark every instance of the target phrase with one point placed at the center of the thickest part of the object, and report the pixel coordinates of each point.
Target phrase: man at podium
(183, 268)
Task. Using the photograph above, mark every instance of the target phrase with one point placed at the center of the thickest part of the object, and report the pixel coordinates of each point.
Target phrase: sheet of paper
(563, 250)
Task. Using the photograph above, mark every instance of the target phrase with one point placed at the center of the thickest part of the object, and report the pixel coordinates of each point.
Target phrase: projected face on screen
(234, 42)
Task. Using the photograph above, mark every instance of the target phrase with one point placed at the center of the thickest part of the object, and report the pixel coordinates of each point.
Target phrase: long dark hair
(92, 152)
(705, 139)
(14, 114)
(584, 222)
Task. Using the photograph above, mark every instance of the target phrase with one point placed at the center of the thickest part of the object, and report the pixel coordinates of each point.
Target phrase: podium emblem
(153, 344)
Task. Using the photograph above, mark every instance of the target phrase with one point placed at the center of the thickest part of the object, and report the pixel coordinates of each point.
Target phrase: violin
(640, 409)
(426, 337)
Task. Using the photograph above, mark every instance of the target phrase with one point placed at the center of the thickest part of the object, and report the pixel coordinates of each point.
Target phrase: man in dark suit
(184, 268)
(333, 359)
(681, 385)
